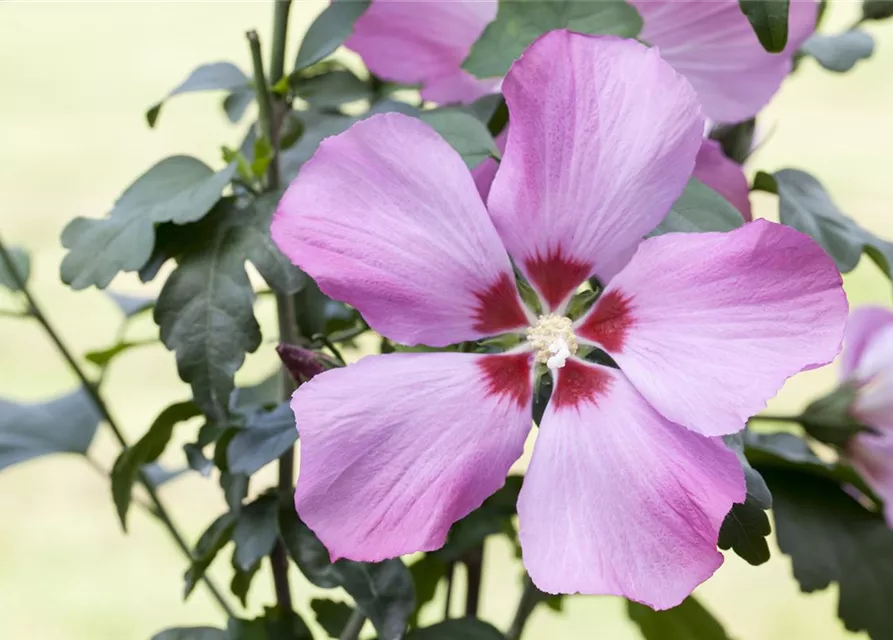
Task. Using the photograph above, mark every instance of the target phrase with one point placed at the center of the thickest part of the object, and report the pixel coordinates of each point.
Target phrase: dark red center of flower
(556, 275)
(498, 308)
(578, 383)
(609, 323)
(508, 376)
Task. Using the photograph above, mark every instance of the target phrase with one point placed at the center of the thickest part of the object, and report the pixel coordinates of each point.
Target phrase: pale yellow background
(75, 80)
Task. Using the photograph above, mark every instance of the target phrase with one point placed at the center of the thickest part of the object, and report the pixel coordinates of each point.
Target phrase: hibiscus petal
(723, 175)
(392, 455)
(872, 456)
(874, 401)
(708, 326)
(424, 42)
(618, 500)
(712, 44)
(594, 160)
(862, 328)
(387, 218)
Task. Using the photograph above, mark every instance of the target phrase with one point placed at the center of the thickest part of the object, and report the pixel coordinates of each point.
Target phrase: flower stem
(530, 598)
(280, 29)
(474, 565)
(450, 575)
(159, 509)
(284, 303)
(770, 418)
(354, 626)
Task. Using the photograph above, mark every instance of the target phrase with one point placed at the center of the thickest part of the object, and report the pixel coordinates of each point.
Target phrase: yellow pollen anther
(553, 340)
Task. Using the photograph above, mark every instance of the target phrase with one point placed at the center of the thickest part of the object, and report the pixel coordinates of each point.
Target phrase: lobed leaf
(178, 189)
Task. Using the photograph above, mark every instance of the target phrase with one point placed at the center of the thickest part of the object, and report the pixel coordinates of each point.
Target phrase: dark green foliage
(805, 205)
(147, 450)
(383, 591)
(698, 209)
(769, 19)
(688, 621)
(520, 22)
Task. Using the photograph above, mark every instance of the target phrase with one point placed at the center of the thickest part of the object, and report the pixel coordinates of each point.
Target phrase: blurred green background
(76, 79)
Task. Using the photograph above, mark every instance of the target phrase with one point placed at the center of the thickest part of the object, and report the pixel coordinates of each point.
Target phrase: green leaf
(102, 357)
(331, 615)
(21, 261)
(329, 31)
(206, 549)
(520, 22)
(157, 475)
(178, 189)
(129, 305)
(263, 155)
(383, 591)
(316, 313)
(240, 585)
(830, 537)
(841, 51)
(458, 629)
(464, 132)
(737, 140)
(688, 621)
(829, 419)
(236, 103)
(255, 532)
(235, 488)
(787, 452)
(266, 436)
(747, 525)
(426, 572)
(216, 76)
(877, 9)
(492, 517)
(263, 395)
(769, 19)
(253, 231)
(191, 633)
(805, 205)
(330, 90)
(317, 127)
(206, 308)
(147, 449)
(65, 424)
(700, 209)
(274, 625)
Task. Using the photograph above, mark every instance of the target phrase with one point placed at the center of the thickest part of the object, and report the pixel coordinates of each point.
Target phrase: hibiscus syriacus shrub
(522, 217)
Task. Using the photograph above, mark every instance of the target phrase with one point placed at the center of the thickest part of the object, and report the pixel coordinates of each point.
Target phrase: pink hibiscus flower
(628, 484)
(867, 363)
(709, 41)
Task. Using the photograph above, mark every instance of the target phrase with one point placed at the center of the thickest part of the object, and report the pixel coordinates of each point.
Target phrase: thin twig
(530, 598)
(354, 626)
(159, 508)
(284, 304)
